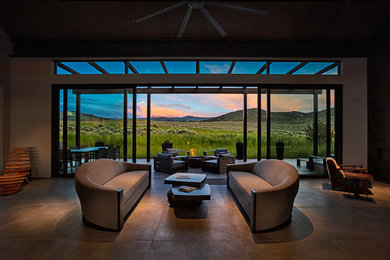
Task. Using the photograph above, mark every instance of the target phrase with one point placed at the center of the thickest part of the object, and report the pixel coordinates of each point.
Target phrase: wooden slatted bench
(11, 183)
(17, 171)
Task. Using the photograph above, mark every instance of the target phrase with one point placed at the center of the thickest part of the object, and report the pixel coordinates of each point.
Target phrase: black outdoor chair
(117, 152)
(99, 143)
(110, 151)
(218, 165)
(101, 153)
(176, 153)
(164, 162)
(166, 145)
(217, 152)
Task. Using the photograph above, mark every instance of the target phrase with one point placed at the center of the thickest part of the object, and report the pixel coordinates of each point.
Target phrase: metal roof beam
(131, 67)
(62, 66)
(331, 66)
(164, 67)
(300, 65)
(231, 67)
(93, 64)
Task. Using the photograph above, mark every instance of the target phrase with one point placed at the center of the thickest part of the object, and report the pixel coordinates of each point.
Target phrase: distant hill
(181, 119)
(277, 117)
(83, 117)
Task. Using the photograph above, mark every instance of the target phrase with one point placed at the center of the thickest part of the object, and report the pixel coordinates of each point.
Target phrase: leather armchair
(349, 177)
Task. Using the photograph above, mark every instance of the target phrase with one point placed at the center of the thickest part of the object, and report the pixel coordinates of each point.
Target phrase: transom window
(131, 67)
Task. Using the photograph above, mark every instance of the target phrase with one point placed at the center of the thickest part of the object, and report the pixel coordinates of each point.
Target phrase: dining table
(87, 151)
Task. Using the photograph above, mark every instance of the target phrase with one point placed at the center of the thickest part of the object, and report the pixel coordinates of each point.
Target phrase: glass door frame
(127, 88)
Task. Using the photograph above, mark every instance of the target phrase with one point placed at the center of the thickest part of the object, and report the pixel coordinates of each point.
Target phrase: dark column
(125, 101)
(268, 123)
(55, 132)
(268, 67)
(65, 132)
(315, 124)
(328, 123)
(134, 155)
(245, 121)
(339, 125)
(78, 101)
(148, 126)
(258, 123)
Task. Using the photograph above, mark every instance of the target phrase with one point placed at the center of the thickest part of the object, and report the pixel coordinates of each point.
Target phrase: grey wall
(379, 105)
(5, 81)
(31, 110)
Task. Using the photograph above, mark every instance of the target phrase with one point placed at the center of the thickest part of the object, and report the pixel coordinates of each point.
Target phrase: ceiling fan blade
(164, 10)
(184, 23)
(209, 17)
(239, 8)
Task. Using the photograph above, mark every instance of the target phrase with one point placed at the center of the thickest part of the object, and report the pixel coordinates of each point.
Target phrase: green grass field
(201, 136)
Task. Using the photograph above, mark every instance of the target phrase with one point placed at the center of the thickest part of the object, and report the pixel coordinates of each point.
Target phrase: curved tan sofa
(109, 189)
(265, 190)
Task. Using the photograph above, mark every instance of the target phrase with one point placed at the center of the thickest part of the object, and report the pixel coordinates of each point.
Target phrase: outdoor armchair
(164, 162)
(175, 153)
(217, 151)
(218, 165)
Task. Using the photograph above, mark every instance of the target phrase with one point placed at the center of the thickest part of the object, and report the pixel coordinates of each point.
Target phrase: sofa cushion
(220, 151)
(274, 172)
(246, 181)
(100, 171)
(211, 162)
(128, 181)
(164, 156)
(179, 163)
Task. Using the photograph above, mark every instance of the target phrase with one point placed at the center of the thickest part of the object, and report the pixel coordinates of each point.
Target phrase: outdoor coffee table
(193, 198)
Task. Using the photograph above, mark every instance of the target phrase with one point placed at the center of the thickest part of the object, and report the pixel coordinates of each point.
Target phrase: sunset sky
(179, 105)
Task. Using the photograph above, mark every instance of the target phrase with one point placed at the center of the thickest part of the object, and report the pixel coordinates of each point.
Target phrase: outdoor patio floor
(43, 221)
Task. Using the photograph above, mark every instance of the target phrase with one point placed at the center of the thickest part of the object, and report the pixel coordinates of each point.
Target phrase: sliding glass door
(131, 123)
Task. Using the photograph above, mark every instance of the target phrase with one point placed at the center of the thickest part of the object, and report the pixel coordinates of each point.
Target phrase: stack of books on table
(183, 176)
(186, 188)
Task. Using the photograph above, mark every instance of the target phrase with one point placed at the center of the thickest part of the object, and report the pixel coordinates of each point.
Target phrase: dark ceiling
(113, 20)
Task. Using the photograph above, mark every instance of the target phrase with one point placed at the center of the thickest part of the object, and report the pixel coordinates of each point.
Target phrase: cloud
(303, 103)
(216, 68)
(175, 105)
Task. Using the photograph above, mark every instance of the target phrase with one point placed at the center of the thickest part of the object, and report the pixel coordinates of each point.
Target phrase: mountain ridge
(277, 117)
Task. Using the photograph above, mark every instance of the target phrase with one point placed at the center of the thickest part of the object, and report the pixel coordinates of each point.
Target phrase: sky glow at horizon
(180, 105)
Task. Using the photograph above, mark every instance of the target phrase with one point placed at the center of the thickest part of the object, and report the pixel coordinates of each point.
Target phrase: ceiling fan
(200, 5)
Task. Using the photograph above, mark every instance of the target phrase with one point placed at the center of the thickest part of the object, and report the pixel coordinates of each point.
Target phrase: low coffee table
(193, 198)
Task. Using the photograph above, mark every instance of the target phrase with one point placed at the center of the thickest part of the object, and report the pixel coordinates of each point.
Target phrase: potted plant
(279, 150)
(239, 150)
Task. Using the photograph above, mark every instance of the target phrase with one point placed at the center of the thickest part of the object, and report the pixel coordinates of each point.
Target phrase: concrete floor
(43, 221)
